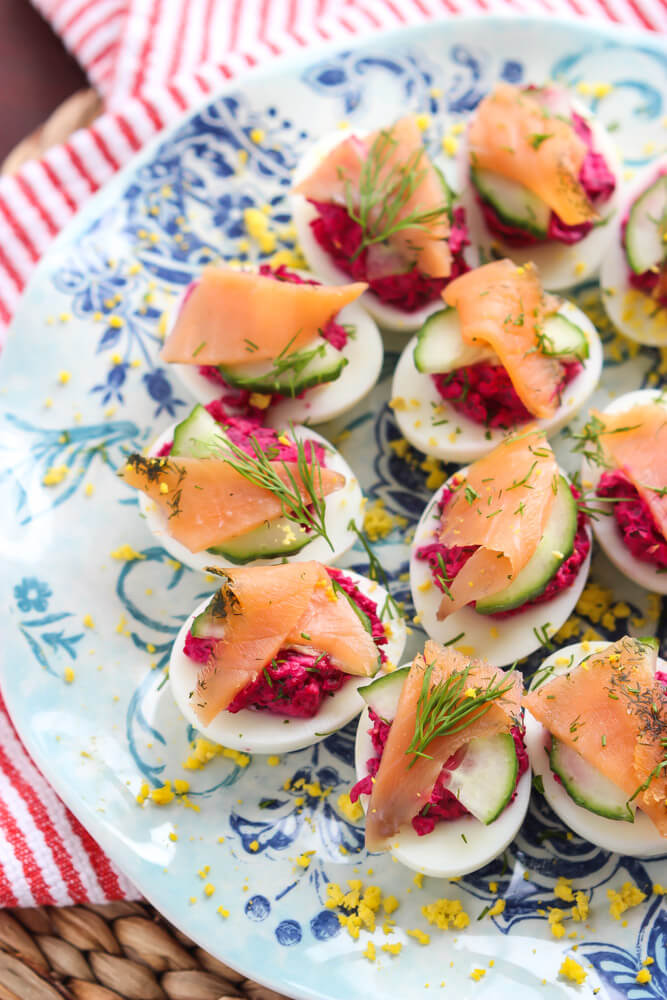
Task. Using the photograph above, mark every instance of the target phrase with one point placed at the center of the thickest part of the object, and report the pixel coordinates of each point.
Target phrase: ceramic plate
(94, 311)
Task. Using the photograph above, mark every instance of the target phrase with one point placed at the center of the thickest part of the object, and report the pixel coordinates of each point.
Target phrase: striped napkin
(149, 60)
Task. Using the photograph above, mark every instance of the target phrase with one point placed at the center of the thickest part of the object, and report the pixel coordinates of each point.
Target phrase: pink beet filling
(484, 393)
(295, 683)
(407, 290)
(455, 557)
(597, 181)
(647, 280)
(442, 805)
(634, 519)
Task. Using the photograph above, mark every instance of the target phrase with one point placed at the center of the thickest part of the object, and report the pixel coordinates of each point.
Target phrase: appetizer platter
(313, 424)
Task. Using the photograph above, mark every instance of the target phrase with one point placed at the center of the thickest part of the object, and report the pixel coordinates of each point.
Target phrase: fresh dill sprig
(588, 443)
(449, 706)
(259, 469)
(384, 188)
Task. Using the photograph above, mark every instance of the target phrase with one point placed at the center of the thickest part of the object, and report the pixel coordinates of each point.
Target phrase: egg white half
(636, 323)
(499, 640)
(425, 409)
(340, 507)
(263, 732)
(560, 265)
(605, 529)
(639, 839)
(444, 853)
(364, 353)
(322, 265)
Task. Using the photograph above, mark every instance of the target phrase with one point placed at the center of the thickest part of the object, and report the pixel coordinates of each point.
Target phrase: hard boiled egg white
(444, 853)
(340, 507)
(628, 308)
(432, 425)
(499, 640)
(364, 353)
(263, 732)
(639, 839)
(605, 528)
(560, 265)
(322, 265)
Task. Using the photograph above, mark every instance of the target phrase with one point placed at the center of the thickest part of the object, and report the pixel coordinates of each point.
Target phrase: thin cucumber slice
(485, 779)
(645, 231)
(561, 338)
(198, 436)
(587, 786)
(280, 537)
(514, 204)
(291, 375)
(556, 546)
(383, 694)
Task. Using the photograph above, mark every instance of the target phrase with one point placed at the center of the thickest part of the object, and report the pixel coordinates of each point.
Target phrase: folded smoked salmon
(611, 711)
(449, 707)
(280, 638)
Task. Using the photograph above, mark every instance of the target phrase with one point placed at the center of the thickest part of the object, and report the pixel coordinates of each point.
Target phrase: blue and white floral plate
(94, 312)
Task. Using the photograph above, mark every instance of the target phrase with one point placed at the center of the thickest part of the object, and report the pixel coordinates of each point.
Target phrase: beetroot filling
(408, 290)
(596, 179)
(634, 519)
(455, 558)
(484, 393)
(442, 805)
(295, 683)
(334, 332)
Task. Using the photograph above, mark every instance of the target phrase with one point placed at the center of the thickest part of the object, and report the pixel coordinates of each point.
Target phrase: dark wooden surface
(36, 72)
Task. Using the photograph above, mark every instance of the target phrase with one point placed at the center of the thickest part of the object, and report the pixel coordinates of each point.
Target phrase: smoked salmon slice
(613, 693)
(393, 161)
(262, 609)
(502, 506)
(503, 306)
(513, 135)
(239, 317)
(208, 502)
(635, 442)
(401, 788)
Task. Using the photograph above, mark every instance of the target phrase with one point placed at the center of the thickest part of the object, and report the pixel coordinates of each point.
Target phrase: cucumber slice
(280, 537)
(561, 338)
(383, 694)
(198, 436)
(440, 347)
(306, 369)
(514, 204)
(556, 546)
(587, 786)
(645, 246)
(485, 779)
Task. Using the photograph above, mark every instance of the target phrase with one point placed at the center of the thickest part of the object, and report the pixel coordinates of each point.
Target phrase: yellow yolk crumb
(254, 845)
(444, 912)
(173, 837)
(257, 226)
(630, 895)
(89, 490)
(581, 908)
(88, 621)
(420, 936)
(477, 974)
(304, 859)
(643, 976)
(260, 400)
(497, 908)
(563, 889)
(126, 553)
(423, 122)
(202, 752)
(239, 758)
(369, 952)
(181, 786)
(378, 522)
(290, 258)
(162, 796)
(257, 136)
(418, 880)
(398, 403)
(390, 904)
(273, 760)
(64, 377)
(209, 889)
(493, 887)
(223, 912)
(450, 145)
(68, 675)
(659, 890)
(55, 475)
(393, 949)
(573, 971)
(436, 472)
(350, 810)
(556, 922)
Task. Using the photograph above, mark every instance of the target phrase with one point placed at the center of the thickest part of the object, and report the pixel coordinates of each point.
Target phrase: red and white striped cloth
(150, 59)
